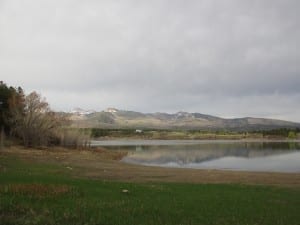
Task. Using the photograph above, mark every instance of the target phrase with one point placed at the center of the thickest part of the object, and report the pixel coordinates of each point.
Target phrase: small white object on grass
(125, 191)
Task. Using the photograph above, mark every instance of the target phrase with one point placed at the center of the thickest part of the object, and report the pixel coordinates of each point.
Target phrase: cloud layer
(227, 58)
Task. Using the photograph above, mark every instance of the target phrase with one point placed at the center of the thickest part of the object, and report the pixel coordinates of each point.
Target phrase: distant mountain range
(114, 118)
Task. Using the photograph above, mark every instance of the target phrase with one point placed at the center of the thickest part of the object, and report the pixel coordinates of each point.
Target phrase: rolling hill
(121, 119)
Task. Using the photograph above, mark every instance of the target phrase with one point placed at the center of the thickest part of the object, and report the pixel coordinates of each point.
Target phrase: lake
(271, 156)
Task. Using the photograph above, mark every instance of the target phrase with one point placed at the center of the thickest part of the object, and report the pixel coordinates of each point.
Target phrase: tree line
(28, 119)
(282, 132)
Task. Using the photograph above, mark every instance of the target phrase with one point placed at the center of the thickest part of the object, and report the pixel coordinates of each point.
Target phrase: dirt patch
(105, 165)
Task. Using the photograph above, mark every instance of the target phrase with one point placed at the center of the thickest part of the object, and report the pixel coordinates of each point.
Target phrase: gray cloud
(227, 58)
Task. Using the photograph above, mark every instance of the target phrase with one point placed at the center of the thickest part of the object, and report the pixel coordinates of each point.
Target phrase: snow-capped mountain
(115, 118)
(81, 112)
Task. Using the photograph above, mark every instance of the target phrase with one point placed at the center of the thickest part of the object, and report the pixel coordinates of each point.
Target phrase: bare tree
(37, 125)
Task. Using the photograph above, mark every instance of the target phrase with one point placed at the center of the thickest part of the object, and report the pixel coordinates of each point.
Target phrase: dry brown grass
(103, 164)
(35, 190)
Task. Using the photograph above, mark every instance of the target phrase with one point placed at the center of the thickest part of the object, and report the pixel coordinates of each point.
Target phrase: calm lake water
(275, 156)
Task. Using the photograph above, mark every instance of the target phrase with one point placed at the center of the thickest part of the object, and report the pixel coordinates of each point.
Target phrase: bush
(292, 135)
(74, 138)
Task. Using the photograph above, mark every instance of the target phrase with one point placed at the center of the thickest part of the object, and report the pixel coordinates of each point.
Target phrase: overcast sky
(230, 58)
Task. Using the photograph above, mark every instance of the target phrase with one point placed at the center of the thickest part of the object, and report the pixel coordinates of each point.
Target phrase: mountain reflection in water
(250, 156)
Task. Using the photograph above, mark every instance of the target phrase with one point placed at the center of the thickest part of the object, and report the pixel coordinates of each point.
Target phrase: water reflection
(253, 156)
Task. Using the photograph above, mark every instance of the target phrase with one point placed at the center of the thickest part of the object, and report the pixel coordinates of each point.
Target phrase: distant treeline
(192, 134)
(282, 132)
(98, 132)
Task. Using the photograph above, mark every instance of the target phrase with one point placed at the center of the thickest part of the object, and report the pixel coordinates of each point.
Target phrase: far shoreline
(191, 141)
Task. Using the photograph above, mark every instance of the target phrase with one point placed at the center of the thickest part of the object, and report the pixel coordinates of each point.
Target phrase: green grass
(35, 193)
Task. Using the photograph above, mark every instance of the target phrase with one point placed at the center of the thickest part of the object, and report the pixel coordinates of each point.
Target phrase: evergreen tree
(11, 100)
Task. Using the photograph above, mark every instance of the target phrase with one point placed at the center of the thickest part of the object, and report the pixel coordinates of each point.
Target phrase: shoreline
(182, 138)
(102, 164)
(192, 141)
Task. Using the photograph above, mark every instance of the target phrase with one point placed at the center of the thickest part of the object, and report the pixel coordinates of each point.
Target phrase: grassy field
(33, 192)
